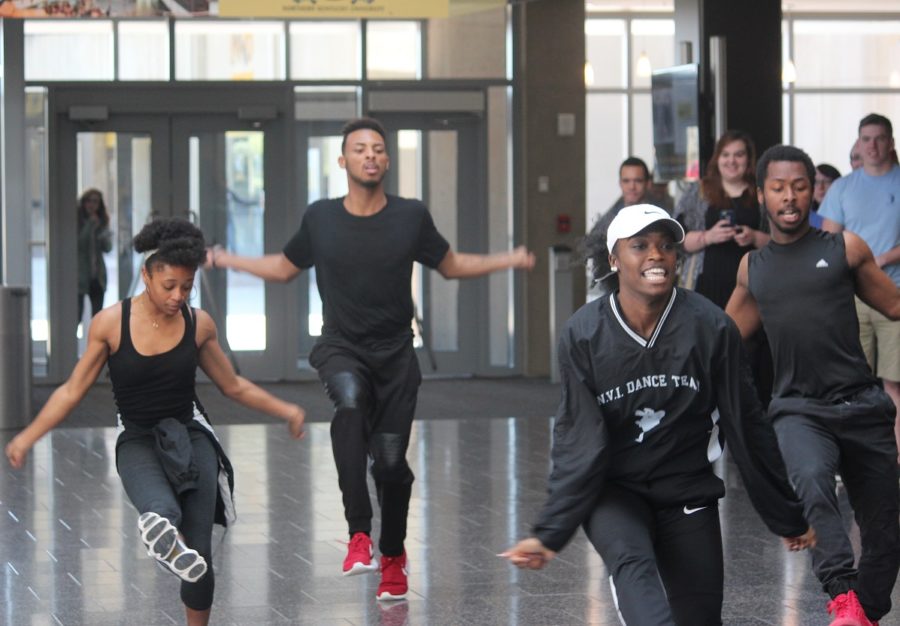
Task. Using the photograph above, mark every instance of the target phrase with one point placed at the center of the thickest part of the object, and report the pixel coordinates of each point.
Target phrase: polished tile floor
(70, 554)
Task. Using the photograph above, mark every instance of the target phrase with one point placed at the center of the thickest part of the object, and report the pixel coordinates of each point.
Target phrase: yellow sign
(330, 9)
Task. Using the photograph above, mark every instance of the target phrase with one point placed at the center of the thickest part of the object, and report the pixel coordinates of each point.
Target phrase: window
(229, 50)
(846, 68)
(620, 54)
(69, 50)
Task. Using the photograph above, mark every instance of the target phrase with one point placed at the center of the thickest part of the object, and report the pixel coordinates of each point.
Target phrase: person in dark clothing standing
(94, 239)
(363, 247)
(167, 455)
(828, 410)
(653, 376)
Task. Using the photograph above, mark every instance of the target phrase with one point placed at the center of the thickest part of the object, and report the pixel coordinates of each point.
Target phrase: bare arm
(463, 265)
(67, 396)
(888, 258)
(873, 286)
(217, 366)
(831, 226)
(271, 267)
(742, 307)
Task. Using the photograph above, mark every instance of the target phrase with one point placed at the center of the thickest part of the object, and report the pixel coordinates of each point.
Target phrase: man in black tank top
(828, 410)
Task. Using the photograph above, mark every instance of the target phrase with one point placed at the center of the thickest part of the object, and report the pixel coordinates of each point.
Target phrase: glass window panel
(245, 192)
(36, 196)
(607, 147)
(227, 50)
(119, 166)
(393, 50)
(468, 46)
(325, 179)
(605, 45)
(143, 50)
(786, 119)
(842, 113)
(68, 49)
(442, 202)
(642, 129)
(652, 47)
(846, 53)
(500, 313)
(326, 50)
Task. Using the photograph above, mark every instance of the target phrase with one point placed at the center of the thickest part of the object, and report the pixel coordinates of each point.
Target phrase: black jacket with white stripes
(643, 414)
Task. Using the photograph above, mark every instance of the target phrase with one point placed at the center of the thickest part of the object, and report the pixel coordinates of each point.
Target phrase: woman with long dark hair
(94, 239)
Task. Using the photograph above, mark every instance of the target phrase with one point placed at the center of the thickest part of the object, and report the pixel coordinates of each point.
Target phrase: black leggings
(374, 396)
(665, 564)
(193, 513)
(95, 293)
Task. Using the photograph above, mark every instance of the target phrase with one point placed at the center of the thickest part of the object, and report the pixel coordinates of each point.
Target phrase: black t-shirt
(364, 265)
(805, 295)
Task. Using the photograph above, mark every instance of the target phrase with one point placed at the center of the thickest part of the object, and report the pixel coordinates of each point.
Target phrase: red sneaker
(848, 611)
(359, 556)
(393, 584)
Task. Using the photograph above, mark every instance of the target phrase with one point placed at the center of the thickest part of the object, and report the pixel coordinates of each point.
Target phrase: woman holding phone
(722, 218)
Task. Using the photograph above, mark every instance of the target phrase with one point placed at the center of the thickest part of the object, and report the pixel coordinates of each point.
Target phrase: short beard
(367, 182)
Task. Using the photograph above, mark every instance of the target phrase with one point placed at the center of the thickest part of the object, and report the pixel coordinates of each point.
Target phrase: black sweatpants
(855, 438)
(665, 564)
(374, 394)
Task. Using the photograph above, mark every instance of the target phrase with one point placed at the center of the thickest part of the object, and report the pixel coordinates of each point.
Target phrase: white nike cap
(633, 219)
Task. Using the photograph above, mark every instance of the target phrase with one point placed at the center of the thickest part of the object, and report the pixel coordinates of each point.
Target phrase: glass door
(436, 161)
(122, 163)
(219, 176)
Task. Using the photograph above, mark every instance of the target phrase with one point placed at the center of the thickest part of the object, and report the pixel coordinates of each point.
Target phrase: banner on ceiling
(336, 9)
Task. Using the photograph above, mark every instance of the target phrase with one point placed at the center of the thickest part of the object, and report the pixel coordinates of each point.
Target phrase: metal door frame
(156, 109)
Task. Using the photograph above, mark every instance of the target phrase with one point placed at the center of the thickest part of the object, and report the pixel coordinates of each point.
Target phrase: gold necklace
(147, 313)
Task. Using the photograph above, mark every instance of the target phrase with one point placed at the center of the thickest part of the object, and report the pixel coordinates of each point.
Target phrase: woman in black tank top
(153, 344)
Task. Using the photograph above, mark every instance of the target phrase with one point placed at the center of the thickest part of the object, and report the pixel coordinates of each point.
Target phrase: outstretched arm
(69, 394)
(742, 307)
(271, 267)
(463, 265)
(217, 366)
(873, 286)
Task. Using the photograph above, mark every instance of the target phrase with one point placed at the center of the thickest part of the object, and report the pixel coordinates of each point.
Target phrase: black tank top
(150, 388)
(805, 292)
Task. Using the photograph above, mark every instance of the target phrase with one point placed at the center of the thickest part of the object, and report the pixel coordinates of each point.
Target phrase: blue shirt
(870, 207)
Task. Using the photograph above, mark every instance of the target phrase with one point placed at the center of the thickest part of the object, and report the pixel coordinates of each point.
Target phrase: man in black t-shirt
(828, 410)
(363, 247)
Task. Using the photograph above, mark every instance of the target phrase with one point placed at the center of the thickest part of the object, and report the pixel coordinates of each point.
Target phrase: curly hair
(592, 249)
(176, 242)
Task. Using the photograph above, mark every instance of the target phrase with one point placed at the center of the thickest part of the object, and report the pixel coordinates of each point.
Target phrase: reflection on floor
(70, 553)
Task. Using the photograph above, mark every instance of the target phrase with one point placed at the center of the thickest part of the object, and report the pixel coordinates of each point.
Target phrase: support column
(550, 153)
(752, 32)
(14, 235)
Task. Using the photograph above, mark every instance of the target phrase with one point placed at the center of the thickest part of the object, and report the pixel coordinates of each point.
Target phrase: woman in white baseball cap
(644, 371)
